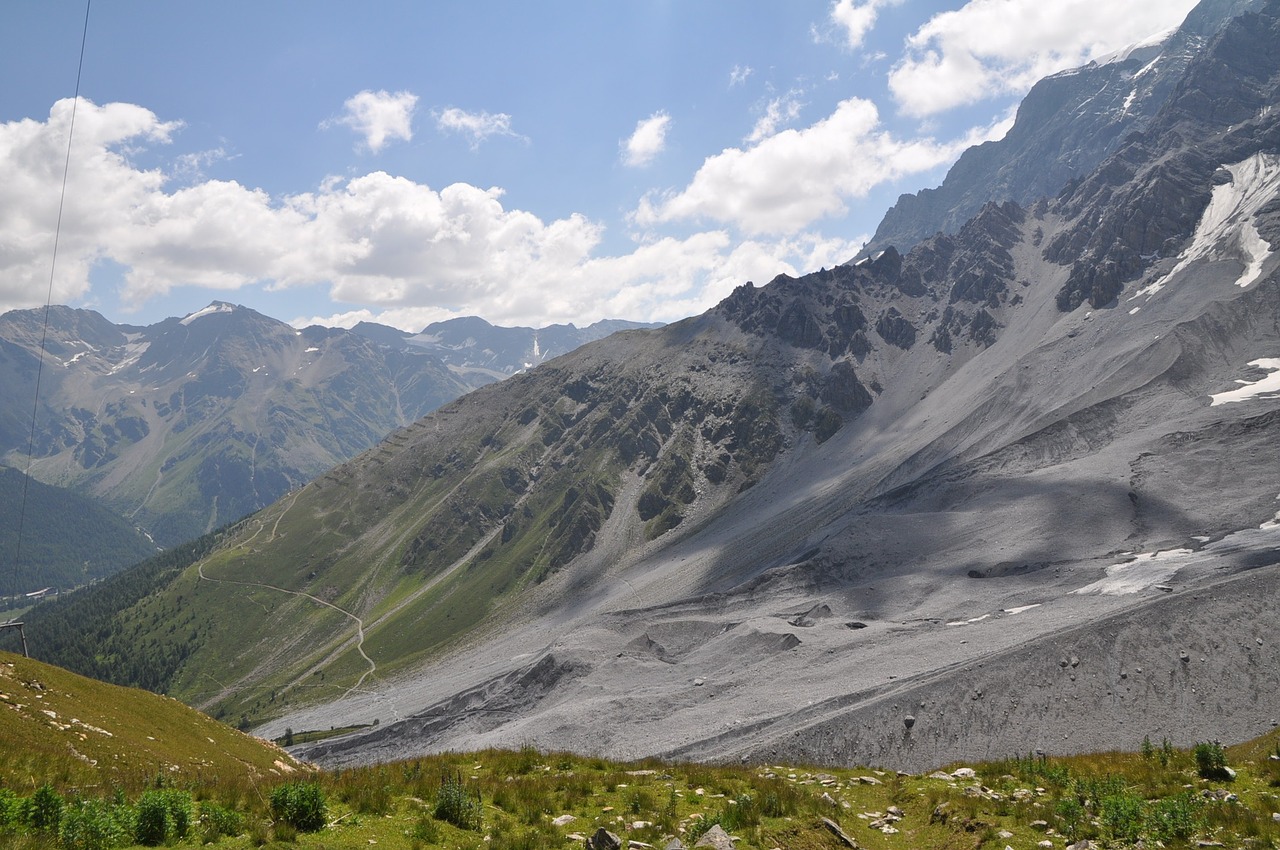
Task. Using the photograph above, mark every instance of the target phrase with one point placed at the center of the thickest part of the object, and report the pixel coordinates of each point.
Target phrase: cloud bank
(398, 251)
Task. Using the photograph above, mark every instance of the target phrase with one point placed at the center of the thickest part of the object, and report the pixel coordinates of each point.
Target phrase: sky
(529, 163)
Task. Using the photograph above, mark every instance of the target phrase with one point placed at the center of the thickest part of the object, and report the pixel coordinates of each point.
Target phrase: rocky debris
(603, 840)
(715, 838)
(909, 721)
(563, 820)
(884, 821)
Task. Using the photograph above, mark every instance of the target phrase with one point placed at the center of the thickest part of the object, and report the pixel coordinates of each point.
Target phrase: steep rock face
(1142, 205)
(1065, 127)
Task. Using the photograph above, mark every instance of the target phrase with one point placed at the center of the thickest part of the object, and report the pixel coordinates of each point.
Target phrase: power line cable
(48, 301)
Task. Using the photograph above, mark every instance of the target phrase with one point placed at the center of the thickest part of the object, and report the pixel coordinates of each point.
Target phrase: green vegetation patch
(533, 799)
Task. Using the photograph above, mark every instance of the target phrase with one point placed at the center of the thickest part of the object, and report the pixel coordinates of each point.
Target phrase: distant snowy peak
(215, 307)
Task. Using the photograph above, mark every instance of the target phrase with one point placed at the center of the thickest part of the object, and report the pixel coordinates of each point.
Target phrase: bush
(164, 815)
(43, 809)
(10, 810)
(94, 825)
(455, 805)
(300, 805)
(1174, 818)
(1211, 760)
(1120, 816)
(215, 822)
(1071, 814)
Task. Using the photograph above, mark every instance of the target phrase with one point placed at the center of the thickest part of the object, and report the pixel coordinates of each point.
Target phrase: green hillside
(67, 540)
(75, 732)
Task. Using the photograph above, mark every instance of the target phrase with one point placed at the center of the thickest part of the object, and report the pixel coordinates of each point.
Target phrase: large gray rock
(715, 838)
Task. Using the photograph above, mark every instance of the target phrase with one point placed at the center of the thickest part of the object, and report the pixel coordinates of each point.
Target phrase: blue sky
(530, 163)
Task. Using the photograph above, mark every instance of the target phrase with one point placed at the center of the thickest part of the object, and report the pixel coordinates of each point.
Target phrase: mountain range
(193, 422)
(1007, 486)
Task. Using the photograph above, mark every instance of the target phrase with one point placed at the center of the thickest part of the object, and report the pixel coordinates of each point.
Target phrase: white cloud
(849, 21)
(779, 112)
(996, 47)
(738, 75)
(392, 249)
(478, 126)
(794, 178)
(648, 140)
(378, 117)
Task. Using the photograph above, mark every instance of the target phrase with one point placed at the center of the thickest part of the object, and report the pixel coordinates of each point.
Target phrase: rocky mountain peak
(1067, 124)
(1135, 213)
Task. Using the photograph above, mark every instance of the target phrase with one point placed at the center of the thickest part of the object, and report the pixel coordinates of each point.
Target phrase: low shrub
(94, 825)
(301, 805)
(455, 805)
(1211, 760)
(217, 821)
(163, 816)
(43, 810)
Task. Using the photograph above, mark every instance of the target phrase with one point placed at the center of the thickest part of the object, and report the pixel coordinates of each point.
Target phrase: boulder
(604, 840)
(715, 838)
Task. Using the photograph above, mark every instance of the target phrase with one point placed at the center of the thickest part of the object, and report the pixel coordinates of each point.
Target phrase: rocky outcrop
(1144, 202)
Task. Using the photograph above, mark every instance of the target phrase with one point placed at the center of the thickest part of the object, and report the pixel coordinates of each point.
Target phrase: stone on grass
(715, 838)
(604, 840)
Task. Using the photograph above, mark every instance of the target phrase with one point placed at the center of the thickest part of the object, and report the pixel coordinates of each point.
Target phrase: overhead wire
(48, 302)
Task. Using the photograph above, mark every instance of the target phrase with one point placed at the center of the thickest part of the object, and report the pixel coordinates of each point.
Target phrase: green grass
(520, 799)
(88, 737)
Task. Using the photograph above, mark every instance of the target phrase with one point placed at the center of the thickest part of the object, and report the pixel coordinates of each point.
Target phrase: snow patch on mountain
(1226, 229)
(215, 307)
(1263, 388)
(1123, 54)
(1145, 570)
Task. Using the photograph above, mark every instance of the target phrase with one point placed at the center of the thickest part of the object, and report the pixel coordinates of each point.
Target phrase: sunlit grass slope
(74, 732)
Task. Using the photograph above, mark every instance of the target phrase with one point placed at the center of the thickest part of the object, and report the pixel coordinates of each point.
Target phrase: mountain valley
(1011, 486)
